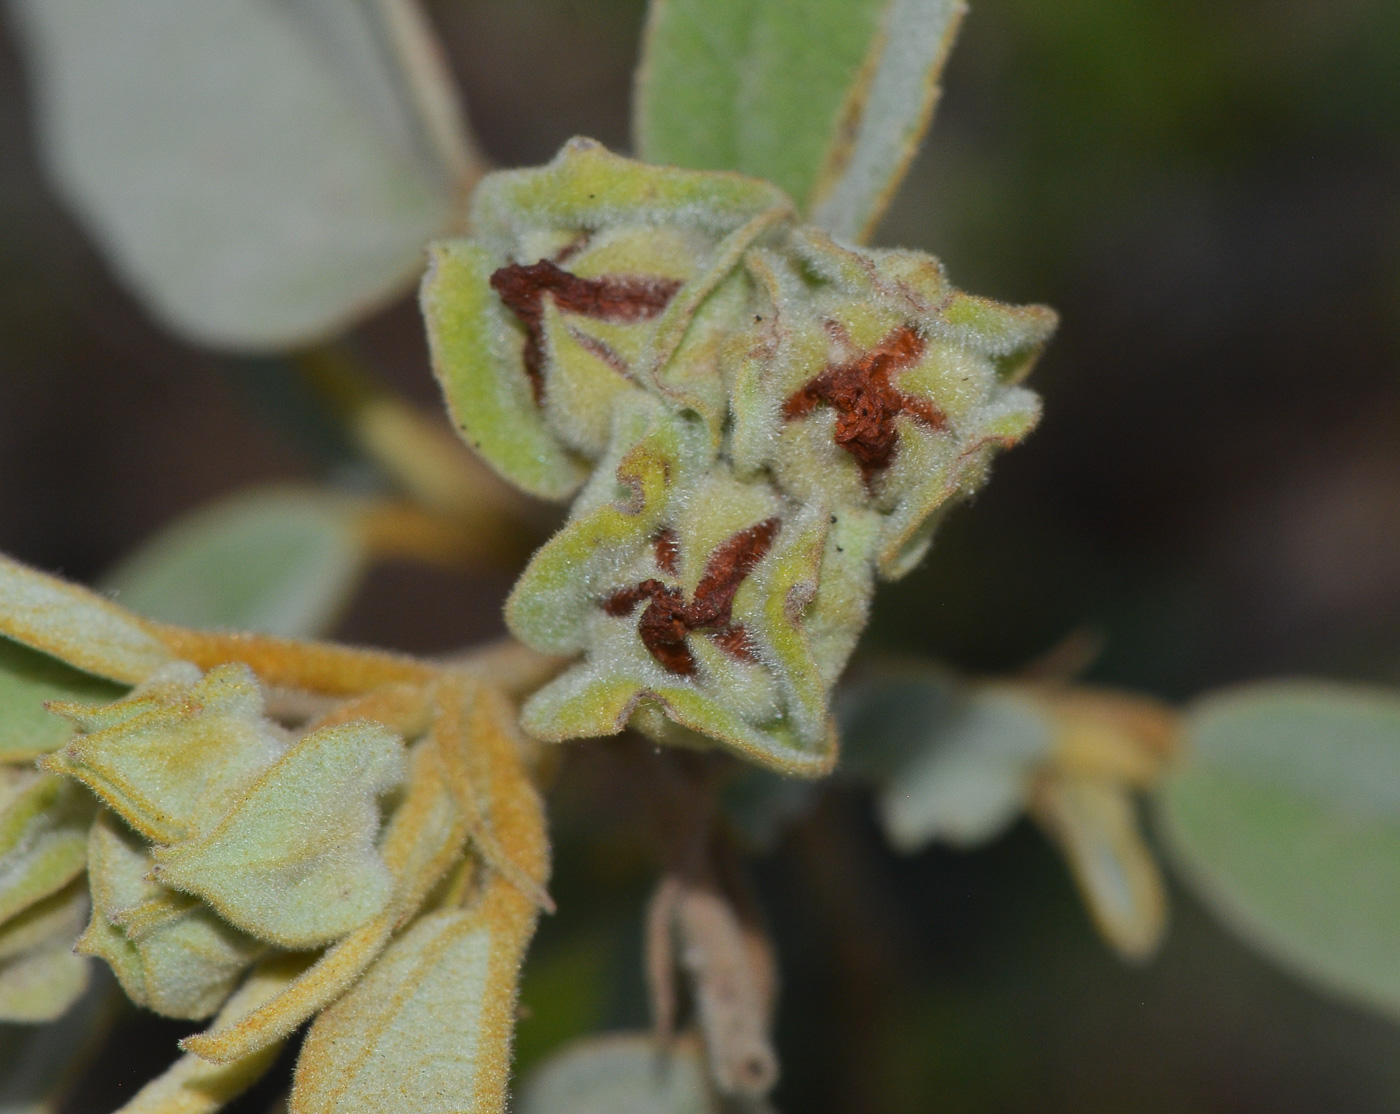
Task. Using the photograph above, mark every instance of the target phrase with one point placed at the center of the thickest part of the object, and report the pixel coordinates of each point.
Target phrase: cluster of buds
(754, 421)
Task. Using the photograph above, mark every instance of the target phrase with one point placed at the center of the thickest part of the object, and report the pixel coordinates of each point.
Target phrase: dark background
(1209, 193)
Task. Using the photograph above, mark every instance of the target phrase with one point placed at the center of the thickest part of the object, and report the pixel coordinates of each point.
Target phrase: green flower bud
(755, 421)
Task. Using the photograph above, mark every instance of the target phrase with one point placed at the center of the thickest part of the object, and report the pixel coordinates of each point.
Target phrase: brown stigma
(866, 400)
(523, 286)
(668, 618)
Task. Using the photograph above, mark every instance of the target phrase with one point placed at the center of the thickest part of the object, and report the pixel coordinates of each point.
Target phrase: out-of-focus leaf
(43, 983)
(624, 1073)
(28, 679)
(1094, 822)
(952, 764)
(39, 1062)
(278, 560)
(43, 838)
(294, 862)
(76, 626)
(827, 99)
(260, 173)
(195, 1086)
(1285, 817)
(171, 758)
(40, 977)
(169, 952)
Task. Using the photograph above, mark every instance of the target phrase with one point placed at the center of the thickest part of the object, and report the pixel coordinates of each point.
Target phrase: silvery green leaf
(261, 174)
(171, 758)
(194, 1086)
(27, 680)
(75, 625)
(294, 861)
(828, 99)
(1284, 816)
(169, 952)
(622, 1073)
(427, 1029)
(279, 560)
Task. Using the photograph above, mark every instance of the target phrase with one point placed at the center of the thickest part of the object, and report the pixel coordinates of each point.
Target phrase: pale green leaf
(622, 1073)
(75, 625)
(169, 952)
(756, 86)
(43, 838)
(1285, 817)
(27, 680)
(423, 1030)
(172, 757)
(294, 862)
(278, 560)
(194, 1086)
(885, 117)
(828, 99)
(261, 174)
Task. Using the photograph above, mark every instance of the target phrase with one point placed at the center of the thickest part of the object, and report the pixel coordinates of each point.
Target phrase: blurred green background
(1209, 193)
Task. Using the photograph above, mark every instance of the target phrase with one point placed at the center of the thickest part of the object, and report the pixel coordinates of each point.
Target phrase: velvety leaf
(27, 680)
(623, 1073)
(886, 113)
(278, 560)
(494, 412)
(76, 626)
(194, 1086)
(261, 175)
(1284, 815)
(422, 840)
(169, 952)
(294, 862)
(429, 1026)
(427, 1029)
(172, 757)
(43, 838)
(756, 86)
(827, 99)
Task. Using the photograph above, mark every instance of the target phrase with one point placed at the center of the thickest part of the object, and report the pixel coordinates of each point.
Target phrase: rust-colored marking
(866, 400)
(523, 286)
(668, 552)
(668, 618)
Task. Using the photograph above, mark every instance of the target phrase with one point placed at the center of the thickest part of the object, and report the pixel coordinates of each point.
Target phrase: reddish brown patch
(523, 286)
(668, 618)
(866, 400)
(668, 551)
